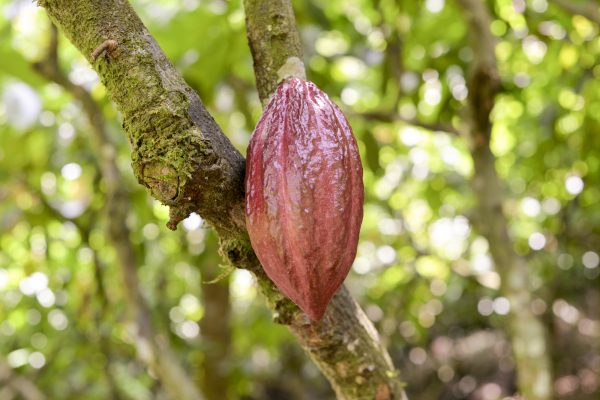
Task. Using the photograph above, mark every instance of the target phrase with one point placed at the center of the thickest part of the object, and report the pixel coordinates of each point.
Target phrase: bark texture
(181, 155)
(273, 39)
(528, 335)
(178, 151)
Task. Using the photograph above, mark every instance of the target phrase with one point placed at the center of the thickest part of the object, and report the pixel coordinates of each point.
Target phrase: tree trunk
(527, 333)
(216, 363)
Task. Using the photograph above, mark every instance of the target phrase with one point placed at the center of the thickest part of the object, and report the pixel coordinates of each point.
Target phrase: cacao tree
(477, 264)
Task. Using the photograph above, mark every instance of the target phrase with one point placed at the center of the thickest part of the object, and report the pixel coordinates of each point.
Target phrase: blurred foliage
(423, 275)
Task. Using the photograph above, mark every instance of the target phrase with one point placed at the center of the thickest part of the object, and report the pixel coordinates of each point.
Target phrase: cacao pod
(304, 194)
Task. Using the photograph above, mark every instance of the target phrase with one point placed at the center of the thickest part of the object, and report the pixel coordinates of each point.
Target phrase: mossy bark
(182, 156)
(177, 149)
(273, 39)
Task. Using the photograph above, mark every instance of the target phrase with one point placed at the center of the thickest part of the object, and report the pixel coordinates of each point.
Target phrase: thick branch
(587, 9)
(345, 344)
(180, 153)
(525, 330)
(273, 39)
(156, 353)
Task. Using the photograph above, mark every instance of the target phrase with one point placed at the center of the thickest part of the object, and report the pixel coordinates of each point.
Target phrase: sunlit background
(423, 274)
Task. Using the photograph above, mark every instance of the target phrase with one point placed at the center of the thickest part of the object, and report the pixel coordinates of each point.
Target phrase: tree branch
(524, 328)
(19, 384)
(215, 361)
(180, 153)
(273, 39)
(345, 344)
(154, 352)
(395, 117)
(588, 9)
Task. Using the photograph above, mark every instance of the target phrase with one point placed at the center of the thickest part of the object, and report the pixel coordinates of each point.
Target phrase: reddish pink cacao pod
(304, 194)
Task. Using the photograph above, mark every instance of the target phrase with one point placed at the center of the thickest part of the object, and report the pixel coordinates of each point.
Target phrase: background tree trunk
(527, 333)
(215, 362)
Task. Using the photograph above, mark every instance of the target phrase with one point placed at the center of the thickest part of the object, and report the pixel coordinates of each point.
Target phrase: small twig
(108, 46)
(385, 116)
(588, 10)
